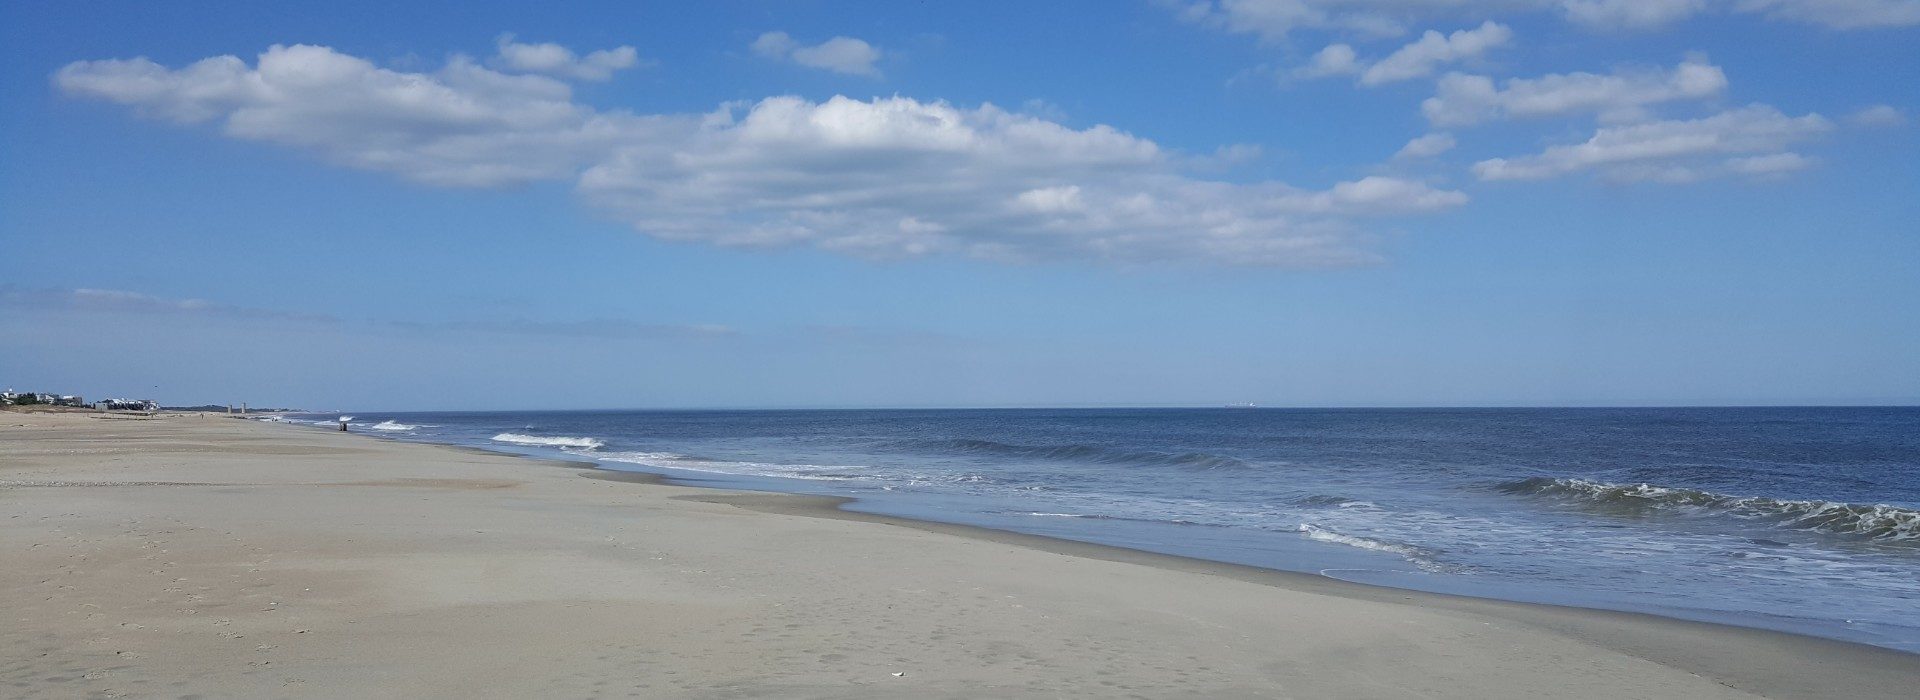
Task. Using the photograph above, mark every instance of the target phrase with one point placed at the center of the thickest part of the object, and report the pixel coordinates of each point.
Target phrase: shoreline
(1344, 617)
(831, 506)
(1618, 625)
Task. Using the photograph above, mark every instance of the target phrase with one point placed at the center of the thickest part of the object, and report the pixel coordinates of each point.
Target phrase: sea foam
(1418, 557)
(1872, 521)
(669, 460)
(579, 443)
(1092, 454)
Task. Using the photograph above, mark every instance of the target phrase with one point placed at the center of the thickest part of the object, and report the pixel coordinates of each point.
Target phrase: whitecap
(669, 460)
(1418, 556)
(1883, 522)
(582, 443)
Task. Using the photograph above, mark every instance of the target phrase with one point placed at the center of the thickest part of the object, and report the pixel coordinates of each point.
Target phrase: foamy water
(582, 443)
(1872, 521)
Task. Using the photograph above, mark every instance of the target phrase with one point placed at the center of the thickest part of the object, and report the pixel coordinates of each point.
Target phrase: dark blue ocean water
(1798, 519)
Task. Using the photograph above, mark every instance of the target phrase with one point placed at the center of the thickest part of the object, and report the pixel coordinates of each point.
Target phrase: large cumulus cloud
(884, 177)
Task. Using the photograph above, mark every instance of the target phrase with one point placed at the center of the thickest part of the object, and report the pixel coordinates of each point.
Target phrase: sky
(395, 206)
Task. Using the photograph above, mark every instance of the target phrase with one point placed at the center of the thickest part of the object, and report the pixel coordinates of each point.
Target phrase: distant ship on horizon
(1243, 404)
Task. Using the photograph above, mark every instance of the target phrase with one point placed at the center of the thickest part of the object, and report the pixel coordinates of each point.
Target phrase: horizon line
(1125, 407)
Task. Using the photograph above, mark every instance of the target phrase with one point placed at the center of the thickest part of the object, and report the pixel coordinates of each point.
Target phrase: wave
(1095, 454)
(582, 443)
(1326, 501)
(669, 460)
(392, 425)
(328, 423)
(1315, 532)
(1096, 516)
(1419, 557)
(1878, 522)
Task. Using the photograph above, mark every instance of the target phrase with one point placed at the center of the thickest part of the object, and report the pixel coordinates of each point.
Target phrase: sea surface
(1804, 520)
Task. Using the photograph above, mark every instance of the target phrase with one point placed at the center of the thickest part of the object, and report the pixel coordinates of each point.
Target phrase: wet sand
(204, 556)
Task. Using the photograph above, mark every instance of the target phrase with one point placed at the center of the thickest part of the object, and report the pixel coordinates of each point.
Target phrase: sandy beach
(200, 556)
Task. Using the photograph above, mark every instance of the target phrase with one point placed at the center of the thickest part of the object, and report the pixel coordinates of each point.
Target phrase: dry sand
(189, 556)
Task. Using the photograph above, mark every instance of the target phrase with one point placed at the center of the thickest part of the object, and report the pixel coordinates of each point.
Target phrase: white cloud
(1335, 59)
(1426, 146)
(1415, 60)
(463, 125)
(1379, 194)
(900, 177)
(1467, 99)
(1839, 14)
(1771, 164)
(1420, 58)
(1878, 115)
(560, 61)
(840, 54)
(1275, 20)
(1630, 14)
(1051, 200)
(775, 45)
(1752, 140)
(885, 177)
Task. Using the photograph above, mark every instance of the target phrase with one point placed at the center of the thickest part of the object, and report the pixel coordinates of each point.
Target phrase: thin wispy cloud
(97, 300)
(1623, 95)
(1752, 141)
(1275, 20)
(603, 328)
(1650, 123)
(1878, 116)
(1419, 59)
(88, 300)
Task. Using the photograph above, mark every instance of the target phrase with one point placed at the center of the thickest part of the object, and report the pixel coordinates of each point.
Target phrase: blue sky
(1290, 202)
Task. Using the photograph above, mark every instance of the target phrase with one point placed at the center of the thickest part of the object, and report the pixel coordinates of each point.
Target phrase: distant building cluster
(34, 398)
(13, 398)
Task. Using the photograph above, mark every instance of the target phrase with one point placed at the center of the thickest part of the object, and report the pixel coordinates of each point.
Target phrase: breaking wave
(1876, 522)
(1315, 532)
(1097, 516)
(1090, 453)
(1327, 501)
(669, 460)
(392, 426)
(581, 443)
(1420, 557)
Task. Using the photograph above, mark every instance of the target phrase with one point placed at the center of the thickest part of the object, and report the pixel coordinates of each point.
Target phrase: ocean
(1804, 520)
